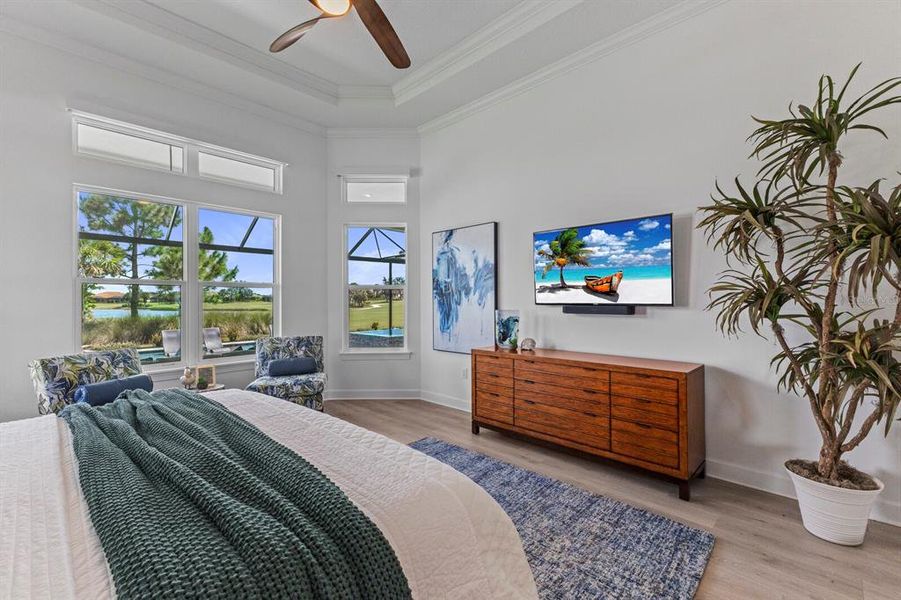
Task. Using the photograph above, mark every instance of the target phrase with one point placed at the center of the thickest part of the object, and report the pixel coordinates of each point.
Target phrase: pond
(119, 313)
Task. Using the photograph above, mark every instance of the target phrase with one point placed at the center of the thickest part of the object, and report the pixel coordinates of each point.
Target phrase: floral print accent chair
(56, 379)
(300, 389)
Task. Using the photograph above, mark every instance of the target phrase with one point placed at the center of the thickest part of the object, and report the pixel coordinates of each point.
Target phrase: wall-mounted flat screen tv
(626, 262)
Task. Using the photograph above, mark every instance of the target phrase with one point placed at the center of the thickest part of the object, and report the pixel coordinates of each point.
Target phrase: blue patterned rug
(581, 545)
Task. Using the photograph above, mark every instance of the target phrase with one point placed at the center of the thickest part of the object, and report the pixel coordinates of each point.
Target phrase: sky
(368, 273)
(631, 243)
(228, 229)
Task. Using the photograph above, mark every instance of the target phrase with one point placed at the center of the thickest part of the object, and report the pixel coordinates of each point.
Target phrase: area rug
(581, 545)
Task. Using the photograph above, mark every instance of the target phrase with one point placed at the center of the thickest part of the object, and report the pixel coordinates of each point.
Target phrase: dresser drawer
(630, 437)
(640, 380)
(495, 386)
(494, 406)
(646, 393)
(493, 365)
(549, 372)
(647, 412)
(585, 428)
(552, 393)
(668, 456)
(494, 378)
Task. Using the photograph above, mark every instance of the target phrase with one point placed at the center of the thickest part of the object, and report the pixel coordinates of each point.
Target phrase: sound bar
(598, 309)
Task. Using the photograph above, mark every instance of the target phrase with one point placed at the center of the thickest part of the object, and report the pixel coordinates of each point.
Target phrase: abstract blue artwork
(463, 288)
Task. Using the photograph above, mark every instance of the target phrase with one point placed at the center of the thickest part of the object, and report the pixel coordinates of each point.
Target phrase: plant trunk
(562, 281)
(827, 466)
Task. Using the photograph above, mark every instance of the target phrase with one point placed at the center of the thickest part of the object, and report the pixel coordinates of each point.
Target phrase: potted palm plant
(816, 263)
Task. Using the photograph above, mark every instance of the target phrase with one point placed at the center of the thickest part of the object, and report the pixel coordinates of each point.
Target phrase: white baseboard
(371, 394)
(884, 511)
(445, 400)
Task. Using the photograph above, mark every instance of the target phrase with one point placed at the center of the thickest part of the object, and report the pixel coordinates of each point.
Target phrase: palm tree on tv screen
(565, 249)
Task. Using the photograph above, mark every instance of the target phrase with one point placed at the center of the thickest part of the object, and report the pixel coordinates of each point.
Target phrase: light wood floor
(761, 551)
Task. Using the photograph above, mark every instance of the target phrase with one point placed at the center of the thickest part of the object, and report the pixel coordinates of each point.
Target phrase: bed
(450, 537)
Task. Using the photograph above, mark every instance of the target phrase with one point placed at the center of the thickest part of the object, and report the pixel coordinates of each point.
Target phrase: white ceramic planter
(835, 514)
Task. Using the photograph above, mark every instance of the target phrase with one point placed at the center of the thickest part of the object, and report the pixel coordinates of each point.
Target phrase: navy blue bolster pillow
(303, 365)
(102, 392)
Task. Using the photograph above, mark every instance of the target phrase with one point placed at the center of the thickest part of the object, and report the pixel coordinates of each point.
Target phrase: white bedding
(451, 537)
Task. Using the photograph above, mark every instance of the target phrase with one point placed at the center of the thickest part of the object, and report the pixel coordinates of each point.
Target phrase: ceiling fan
(371, 15)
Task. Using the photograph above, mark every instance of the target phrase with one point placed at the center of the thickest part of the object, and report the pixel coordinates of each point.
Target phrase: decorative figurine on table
(527, 345)
(187, 378)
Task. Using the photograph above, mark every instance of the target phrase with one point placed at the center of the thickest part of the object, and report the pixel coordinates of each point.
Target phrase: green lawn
(376, 310)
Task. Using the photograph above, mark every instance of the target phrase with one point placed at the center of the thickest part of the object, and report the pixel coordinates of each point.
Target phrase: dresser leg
(475, 428)
(684, 491)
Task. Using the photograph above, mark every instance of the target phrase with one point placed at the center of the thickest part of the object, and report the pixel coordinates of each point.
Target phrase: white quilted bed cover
(451, 537)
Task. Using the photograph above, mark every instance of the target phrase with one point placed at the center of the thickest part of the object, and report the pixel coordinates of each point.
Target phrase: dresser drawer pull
(643, 426)
(587, 391)
(590, 414)
(491, 394)
(528, 402)
(530, 382)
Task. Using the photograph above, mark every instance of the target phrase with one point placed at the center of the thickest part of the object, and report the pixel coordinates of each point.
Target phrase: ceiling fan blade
(294, 34)
(378, 25)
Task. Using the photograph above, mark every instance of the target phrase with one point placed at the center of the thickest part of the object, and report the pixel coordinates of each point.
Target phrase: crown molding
(509, 27)
(339, 133)
(57, 41)
(622, 39)
(159, 21)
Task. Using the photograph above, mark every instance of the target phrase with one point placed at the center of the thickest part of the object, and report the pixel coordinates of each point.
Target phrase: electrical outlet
(465, 372)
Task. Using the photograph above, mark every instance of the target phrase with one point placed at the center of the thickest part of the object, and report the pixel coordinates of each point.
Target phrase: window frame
(363, 178)
(345, 289)
(273, 285)
(191, 296)
(190, 150)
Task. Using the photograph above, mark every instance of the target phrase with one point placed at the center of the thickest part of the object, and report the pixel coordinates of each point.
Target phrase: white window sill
(375, 355)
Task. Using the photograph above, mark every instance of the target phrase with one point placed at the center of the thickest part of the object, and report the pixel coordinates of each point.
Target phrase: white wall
(643, 131)
(378, 152)
(38, 169)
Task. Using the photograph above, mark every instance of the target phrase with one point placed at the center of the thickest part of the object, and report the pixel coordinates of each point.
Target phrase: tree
(566, 248)
(807, 251)
(130, 219)
(212, 265)
(97, 258)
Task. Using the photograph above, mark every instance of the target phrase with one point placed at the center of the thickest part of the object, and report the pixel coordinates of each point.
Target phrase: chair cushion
(289, 386)
(103, 392)
(274, 348)
(302, 365)
(55, 379)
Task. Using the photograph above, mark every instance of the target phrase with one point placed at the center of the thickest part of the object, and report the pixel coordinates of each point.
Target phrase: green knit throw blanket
(191, 501)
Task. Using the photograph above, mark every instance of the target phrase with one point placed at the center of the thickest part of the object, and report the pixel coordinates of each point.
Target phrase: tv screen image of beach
(626, 262)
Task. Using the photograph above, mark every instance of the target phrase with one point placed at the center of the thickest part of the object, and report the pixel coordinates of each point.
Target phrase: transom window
(140, 289)
(375, 189)
(376, 288)
(108, 139)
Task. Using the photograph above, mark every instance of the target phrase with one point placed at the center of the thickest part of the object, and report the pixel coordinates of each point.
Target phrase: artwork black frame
(432, 277)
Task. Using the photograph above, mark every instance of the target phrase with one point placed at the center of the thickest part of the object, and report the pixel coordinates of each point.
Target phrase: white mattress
(451, 537)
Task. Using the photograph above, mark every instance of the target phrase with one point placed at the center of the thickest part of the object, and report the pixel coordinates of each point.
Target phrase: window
(375, 189)
(100, 137)
(131, 275)
(236, 270)
(142, 152)
(140, 289)
(376, 287)
(212, 166)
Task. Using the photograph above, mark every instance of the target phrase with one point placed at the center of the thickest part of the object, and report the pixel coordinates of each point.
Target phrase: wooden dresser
(647, 413)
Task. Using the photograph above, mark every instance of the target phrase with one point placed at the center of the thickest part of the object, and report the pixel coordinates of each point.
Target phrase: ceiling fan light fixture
(333, 8)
